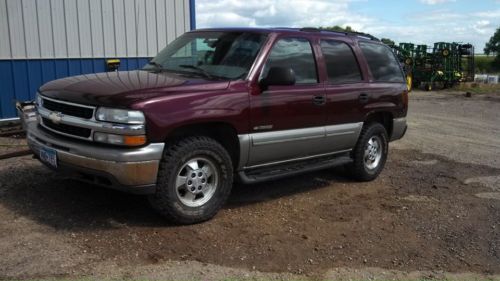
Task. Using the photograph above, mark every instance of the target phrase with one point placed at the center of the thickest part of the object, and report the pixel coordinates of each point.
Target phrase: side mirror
(278, 76)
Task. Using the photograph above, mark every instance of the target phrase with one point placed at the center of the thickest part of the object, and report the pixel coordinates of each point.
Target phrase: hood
(123, 88)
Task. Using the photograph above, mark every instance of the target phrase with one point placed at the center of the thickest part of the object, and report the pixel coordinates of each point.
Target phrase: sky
(416, 21)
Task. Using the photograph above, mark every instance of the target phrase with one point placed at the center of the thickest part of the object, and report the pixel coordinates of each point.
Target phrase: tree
(493, 47)
(338, 28)
(388, 41)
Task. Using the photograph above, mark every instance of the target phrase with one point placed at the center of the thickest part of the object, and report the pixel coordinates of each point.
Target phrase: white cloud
(268, 13)
(489, 14)
(482, 26)
(434, 2)
(424, 26)
(436, 15)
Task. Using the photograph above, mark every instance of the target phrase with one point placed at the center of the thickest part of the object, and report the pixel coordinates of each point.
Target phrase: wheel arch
(224, 133)
(383, 117)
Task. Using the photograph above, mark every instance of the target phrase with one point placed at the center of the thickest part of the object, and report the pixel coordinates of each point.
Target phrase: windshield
(213, 55)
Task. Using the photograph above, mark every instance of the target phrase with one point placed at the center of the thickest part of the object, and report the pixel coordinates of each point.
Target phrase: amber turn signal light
(120, 139)
(134, 140)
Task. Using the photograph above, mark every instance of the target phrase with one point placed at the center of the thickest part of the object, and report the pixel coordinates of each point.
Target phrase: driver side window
(297, 54)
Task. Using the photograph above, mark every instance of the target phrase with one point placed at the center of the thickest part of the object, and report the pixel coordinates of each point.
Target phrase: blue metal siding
(192, 14)
(20, 79)
(6, 90)
(43, 40)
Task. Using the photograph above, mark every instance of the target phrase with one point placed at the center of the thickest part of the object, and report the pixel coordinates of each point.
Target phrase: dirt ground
(433, 213)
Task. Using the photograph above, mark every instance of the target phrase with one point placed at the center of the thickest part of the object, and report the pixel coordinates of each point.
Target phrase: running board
(275, 172)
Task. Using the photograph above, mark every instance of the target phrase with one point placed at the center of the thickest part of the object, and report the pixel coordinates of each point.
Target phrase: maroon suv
(218, 105)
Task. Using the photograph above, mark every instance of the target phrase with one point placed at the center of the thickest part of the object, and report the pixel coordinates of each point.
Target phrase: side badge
(263, 127)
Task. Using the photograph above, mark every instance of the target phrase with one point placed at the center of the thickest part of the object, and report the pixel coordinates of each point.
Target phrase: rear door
(287, 122)
(346, 88)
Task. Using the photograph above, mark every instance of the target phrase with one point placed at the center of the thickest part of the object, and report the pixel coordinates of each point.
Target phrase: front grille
(67, 129)
(68, 109)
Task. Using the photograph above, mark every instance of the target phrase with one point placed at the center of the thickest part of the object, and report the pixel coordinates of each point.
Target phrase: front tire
(370, 153)
(194, 180)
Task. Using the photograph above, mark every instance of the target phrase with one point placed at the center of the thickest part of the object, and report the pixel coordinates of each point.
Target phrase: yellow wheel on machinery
(409, 82)
(445, 52)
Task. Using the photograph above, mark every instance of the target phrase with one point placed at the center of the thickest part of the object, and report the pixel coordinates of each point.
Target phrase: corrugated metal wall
(34, 29)
(41, 40)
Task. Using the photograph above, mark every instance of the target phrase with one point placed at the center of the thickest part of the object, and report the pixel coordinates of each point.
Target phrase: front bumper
(128, 169)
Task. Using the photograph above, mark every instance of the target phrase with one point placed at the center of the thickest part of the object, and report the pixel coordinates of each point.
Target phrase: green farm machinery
(444, 64)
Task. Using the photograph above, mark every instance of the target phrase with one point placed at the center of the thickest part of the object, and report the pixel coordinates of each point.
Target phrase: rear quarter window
(382, 63)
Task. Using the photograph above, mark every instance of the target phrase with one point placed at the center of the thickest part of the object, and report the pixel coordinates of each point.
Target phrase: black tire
(359, 169)
(169, 202)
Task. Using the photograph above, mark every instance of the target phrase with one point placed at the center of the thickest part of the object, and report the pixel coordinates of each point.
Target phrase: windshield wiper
(157, 67)
(199, 70)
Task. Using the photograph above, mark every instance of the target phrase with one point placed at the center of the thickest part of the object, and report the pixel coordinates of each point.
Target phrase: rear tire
(370, 153)
(194, 180)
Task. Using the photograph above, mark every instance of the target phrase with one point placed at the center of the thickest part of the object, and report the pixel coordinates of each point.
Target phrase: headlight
(38, 100)
(120, 116)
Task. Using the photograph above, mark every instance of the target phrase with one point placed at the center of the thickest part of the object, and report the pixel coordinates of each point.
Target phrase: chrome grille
(78, 121)
(74, 118)
(68, 109)
(67, 129)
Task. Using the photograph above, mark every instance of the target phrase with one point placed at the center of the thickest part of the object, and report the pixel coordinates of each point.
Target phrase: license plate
(49, 156)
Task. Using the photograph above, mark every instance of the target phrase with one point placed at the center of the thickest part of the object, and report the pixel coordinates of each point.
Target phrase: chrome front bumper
(129, 169)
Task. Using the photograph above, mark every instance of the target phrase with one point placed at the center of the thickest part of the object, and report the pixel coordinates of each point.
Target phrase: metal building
(42, 40)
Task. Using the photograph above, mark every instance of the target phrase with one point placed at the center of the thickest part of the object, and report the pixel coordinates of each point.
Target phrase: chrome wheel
(196, 181)
(373, 152)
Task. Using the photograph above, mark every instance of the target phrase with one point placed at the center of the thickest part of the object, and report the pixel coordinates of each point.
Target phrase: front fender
(165, 116)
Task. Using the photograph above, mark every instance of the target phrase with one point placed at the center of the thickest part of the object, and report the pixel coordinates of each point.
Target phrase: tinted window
(297, 54)
(382, 62)
(341, 64)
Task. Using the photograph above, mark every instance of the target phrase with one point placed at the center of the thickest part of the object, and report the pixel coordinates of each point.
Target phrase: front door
(287, 122)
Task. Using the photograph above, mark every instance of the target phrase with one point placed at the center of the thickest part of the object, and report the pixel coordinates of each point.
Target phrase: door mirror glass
(278, 76)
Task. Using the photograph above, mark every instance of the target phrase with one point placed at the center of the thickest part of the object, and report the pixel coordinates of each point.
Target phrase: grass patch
(478, 88)
(484, 64)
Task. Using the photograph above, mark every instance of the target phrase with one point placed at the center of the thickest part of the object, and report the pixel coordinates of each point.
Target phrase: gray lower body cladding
(276, 147)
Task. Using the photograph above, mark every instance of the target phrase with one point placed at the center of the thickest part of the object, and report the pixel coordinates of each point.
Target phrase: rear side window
(382, 62)
(297, 54)
(341, 64)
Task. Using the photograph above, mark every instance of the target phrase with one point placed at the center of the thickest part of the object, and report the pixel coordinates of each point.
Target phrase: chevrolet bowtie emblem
(55, 117)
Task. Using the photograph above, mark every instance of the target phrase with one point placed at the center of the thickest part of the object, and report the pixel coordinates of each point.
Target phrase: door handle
(319, 100)
(363, 97)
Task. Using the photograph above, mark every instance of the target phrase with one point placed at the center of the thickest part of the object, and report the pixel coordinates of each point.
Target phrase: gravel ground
(433, 213)
(451, 125)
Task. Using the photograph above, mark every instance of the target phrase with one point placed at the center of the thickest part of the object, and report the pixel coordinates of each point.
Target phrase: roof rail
(355, 33)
